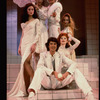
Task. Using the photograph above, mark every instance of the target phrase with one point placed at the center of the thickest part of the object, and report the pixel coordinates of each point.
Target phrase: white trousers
(53, 31)
(41, 78)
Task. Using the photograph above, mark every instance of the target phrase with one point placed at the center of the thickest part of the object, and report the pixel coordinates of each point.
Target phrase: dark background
(76, 8)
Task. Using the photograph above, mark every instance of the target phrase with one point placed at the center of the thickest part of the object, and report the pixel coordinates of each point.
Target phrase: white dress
(71, 55)
(42, 13)
(67, 30)
(53, 22)
(31, 35)
(70, 51)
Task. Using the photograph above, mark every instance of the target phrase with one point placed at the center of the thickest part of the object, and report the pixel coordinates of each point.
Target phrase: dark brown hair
(25, 15)
(53, 39)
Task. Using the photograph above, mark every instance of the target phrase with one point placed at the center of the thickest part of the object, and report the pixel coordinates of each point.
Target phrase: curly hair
(71, 21)
(25, 15)
(53, 39)
(66, 35)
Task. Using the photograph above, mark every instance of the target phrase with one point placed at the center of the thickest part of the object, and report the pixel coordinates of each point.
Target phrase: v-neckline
(29, 22)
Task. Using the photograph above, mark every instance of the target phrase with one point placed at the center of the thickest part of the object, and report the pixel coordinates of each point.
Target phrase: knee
(26, 62)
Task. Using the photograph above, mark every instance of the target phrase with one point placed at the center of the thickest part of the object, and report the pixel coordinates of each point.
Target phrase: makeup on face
(30, 10)
(63, 40)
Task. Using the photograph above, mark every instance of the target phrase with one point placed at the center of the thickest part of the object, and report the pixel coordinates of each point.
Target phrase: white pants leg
(39, 78)
(53, 31)
(80, 81)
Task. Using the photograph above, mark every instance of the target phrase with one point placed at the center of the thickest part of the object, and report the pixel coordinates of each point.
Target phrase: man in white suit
(54, 11)
(47, 72)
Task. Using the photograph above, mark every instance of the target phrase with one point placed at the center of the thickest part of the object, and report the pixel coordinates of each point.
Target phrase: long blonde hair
(71, 21)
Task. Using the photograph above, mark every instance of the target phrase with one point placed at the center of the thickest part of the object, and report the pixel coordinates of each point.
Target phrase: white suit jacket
(45, 62)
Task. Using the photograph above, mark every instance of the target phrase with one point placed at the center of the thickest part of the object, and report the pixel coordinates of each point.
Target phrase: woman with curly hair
(29, 45)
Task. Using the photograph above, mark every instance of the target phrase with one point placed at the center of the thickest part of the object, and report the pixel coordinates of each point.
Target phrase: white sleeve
(42, 14)
(57, 17)
(37, 30)
(73, 47)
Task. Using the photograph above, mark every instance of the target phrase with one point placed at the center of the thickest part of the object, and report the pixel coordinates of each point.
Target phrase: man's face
(52, 46)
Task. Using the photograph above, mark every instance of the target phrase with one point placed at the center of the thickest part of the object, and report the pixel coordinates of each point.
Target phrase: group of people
(45, 51)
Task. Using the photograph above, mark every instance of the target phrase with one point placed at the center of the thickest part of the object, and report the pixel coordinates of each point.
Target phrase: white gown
(42, 13)
(70, 51)
(70, 54)
(31, 35)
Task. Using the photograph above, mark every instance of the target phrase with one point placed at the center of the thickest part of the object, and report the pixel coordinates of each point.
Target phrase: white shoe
(90, 97)
(31, 96)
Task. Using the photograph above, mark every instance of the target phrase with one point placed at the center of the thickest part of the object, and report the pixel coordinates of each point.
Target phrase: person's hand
(55, 74)
(54, 14)
(63, 76)
(33, 47)
(59, 30)
(19, 50)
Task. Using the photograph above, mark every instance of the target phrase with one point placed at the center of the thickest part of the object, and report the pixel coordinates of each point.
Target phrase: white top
(68, 51)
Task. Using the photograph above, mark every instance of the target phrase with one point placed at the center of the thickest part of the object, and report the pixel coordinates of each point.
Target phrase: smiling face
(52, 46)
(30, 10)
(63, 40)
(66, 21)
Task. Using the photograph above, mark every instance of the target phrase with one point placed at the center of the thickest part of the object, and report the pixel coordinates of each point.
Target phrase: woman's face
(66, 21)
(63, 40)
(30, 10)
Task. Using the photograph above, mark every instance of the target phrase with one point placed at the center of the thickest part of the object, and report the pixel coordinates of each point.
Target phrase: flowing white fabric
(42, 13)
(31, 35)
(22, 3)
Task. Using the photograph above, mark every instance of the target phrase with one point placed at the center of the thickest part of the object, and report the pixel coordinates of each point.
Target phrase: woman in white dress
(65, 47)
(69, 27)
(68, 24)
(29, 44)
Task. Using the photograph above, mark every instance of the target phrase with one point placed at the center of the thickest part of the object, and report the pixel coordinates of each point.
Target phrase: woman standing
(68, 24)
(29, 44)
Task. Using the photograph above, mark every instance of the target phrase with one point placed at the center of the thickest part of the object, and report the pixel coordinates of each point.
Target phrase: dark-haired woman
(29, 45)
